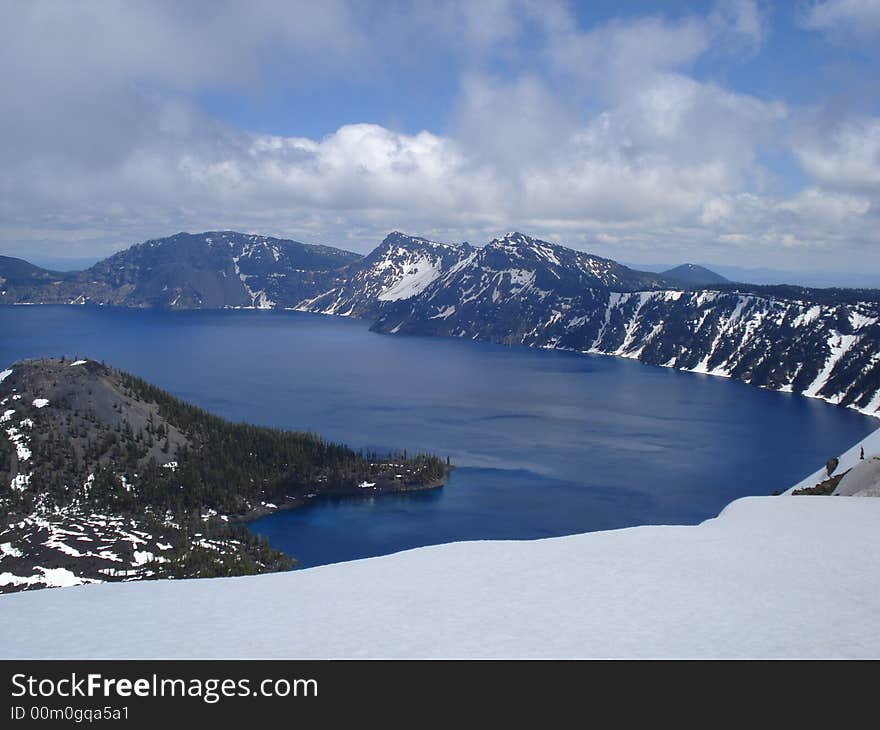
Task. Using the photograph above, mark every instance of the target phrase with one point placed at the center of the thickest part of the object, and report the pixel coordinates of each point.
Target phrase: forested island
(104, 476)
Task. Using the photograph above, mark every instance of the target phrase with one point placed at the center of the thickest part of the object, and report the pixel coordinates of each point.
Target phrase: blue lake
(546, 443)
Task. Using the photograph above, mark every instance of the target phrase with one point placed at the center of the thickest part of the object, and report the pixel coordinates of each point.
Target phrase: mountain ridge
(514, 290)
(215, 269)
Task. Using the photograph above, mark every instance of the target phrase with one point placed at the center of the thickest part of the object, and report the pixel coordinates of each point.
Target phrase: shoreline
(825, 399)
(300, 502)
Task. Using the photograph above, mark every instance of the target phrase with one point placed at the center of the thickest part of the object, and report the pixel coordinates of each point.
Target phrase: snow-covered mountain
(827, 350)
(226, 269)
(400, 268)
(504, 290)
(516, 290)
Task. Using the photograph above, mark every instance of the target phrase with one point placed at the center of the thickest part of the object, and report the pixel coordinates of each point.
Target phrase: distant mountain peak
(400, 238)
(694, 275)
(515, 238)
(518, 244)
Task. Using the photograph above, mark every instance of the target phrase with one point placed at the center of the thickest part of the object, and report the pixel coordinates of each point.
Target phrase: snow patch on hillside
(847, 460)
(417, 274)
(838, 346)
(738, 331)
(863, 480)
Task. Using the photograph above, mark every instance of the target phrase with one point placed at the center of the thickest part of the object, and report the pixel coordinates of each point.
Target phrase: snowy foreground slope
(769, 577)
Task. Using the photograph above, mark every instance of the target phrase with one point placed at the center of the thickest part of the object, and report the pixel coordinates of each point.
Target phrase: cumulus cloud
(604, 138)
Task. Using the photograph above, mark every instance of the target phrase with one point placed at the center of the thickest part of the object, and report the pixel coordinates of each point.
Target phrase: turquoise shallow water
(546, 443)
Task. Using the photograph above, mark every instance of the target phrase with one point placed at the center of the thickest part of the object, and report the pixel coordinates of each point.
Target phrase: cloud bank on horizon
(731, 132)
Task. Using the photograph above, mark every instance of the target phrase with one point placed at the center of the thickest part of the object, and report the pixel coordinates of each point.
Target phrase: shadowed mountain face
(693, 275)
(515, 290)
(207, 270)
(19, 274)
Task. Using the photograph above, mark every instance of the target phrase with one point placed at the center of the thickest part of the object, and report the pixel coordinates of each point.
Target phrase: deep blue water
(546, 443)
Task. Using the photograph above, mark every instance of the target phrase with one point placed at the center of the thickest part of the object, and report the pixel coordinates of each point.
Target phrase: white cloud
(177, 45)
(619, 55)
(518, 157)
(602, 138)
(843, 155)
(830, 209)
(509, 123)
(855, 18)
(823, 226)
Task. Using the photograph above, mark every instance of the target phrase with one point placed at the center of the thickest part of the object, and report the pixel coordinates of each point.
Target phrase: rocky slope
(105, 477)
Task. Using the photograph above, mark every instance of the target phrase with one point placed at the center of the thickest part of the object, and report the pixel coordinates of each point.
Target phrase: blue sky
(730, 132)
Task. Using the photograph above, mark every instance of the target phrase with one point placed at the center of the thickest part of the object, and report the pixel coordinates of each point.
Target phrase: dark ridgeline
(144, 485)
(515, 290)
(207, 270)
